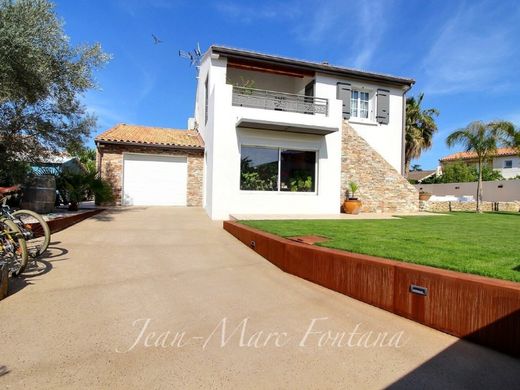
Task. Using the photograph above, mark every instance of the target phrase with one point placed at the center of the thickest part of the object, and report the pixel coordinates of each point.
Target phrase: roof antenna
(194, 56)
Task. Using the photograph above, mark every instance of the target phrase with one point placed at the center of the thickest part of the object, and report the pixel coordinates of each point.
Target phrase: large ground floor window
(277, 169)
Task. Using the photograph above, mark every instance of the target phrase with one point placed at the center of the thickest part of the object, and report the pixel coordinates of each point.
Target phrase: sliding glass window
(259, 169)
(269, 169)
(297, 171)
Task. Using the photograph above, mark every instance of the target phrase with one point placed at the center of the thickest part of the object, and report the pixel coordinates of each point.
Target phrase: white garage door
(153, 180)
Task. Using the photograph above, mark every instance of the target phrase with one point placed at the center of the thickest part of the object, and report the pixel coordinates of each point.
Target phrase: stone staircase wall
(381, 188)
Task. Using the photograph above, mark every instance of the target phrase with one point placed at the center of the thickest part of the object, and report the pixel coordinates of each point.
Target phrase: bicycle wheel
(18, 255)
(4, 280)
(35, 230)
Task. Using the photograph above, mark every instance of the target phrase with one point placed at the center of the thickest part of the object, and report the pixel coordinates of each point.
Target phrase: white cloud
(353, 27)
(471, 52)
(372, 26)
(356, 28)
(106, 115)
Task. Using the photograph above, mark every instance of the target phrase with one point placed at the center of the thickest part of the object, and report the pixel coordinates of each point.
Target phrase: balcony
(279, 101)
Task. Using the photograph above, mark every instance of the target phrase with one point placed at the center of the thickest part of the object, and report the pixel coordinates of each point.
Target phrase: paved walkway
(242, 217)
(189, 284)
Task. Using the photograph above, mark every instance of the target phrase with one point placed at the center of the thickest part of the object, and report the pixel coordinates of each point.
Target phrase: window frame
(280, 149)
(506, 163)
(371, 105)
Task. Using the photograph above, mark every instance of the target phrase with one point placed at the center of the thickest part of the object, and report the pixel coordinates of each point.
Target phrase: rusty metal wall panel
(58, 224)
(484, 310)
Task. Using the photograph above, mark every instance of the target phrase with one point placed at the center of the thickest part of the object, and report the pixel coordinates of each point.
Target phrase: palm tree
(482, 139)
(511, 136)
(420, 127)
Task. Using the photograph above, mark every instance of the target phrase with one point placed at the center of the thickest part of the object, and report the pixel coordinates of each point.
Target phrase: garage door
(152, 180)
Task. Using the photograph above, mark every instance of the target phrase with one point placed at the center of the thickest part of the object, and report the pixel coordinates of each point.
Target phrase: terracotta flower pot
(424, 195)
(352, 206)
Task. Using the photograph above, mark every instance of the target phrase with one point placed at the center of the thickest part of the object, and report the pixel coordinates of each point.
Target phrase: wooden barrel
(39, 194)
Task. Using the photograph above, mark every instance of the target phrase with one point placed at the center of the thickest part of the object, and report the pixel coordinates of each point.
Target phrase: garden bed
(481, 244)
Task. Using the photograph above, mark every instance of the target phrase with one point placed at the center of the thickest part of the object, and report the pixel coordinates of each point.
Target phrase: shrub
(103, 191)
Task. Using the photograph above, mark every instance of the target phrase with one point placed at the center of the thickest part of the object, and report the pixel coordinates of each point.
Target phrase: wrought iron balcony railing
(279, 101)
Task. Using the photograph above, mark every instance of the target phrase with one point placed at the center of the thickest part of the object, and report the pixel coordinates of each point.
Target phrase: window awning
(280, 126)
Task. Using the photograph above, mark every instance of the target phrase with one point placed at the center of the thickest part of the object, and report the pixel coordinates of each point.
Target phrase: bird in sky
(156, 40)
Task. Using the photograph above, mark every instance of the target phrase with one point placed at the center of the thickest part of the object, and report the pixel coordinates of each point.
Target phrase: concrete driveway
(150, 297)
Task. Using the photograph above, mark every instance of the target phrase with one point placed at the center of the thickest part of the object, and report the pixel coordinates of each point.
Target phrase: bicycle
(13, 247)
(4, 279)
(31, 224)
(13, 254)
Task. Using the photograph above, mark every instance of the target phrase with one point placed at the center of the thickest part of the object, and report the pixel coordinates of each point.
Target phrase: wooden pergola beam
(267, 68)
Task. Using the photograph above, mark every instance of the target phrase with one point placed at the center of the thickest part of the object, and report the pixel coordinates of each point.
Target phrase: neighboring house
(506, 161)
(420, 176)
(55, 164)
(277, 136)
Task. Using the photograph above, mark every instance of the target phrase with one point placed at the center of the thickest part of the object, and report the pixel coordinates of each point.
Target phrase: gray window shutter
(383, 106)
(343, 93)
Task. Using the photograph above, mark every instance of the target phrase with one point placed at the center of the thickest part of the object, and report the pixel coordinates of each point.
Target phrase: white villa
(270, 135)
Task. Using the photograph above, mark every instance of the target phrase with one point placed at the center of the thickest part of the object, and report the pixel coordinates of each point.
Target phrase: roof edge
(455, 157)
(144, 144)
(310, 65)
(134, 125)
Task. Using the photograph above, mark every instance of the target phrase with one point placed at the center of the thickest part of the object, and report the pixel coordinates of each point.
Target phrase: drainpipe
(403, 141)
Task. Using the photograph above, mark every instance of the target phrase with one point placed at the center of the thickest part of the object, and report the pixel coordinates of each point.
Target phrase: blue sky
(463, 54)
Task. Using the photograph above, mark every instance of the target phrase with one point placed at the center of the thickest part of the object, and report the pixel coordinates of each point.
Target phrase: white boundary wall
(494, 191)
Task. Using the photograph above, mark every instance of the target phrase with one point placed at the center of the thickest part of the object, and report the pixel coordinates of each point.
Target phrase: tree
(420, 127)
(511, 136)
(42, 78)
(482, 139)
(416, 168)
(85, 155)
(460, 172)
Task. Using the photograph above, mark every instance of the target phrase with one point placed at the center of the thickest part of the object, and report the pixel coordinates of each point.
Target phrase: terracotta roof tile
(149, 135)
(472, 155)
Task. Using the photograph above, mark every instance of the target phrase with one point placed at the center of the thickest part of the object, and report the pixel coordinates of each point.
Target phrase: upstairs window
(359, 104)
(508, 164)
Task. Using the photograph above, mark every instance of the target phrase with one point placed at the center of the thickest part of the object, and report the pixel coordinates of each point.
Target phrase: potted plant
(352, 205)
(424, 195)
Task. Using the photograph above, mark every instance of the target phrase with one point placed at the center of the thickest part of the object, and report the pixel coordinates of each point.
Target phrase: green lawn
(486, 244)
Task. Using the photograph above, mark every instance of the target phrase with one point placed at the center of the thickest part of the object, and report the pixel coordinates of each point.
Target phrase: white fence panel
(494, 191)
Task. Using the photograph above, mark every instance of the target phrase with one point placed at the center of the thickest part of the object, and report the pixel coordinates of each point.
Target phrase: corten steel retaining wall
(55, 225)
(484, 310)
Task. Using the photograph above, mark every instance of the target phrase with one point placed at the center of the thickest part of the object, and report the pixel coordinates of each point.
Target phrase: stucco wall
(223, 139)
(110, 165)
(508, 173)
